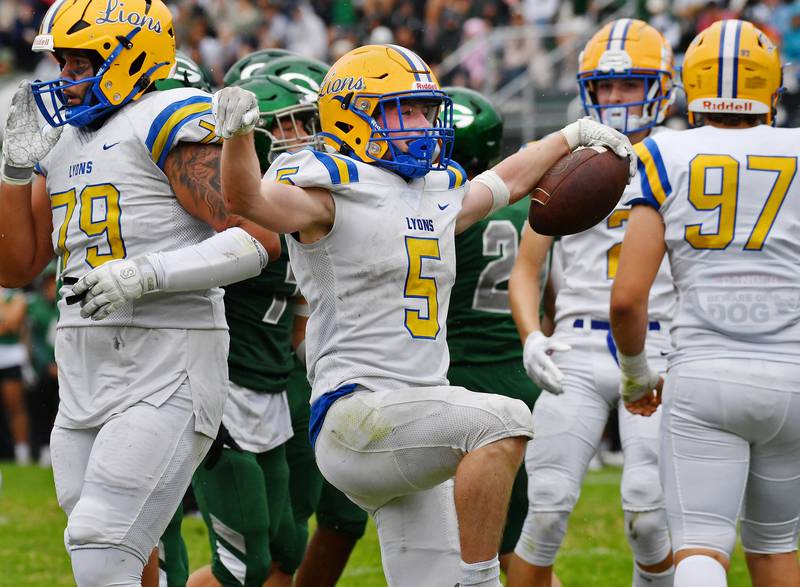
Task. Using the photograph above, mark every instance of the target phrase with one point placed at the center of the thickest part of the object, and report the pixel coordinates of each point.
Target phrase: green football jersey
(42, 320)
(260, 315)
(7, 295)
(479, 325)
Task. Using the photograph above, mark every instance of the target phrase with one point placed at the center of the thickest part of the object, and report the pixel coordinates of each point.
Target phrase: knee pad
(83, 528)
(106, 567)
(542, 535)
(648, 535)
(641, 487)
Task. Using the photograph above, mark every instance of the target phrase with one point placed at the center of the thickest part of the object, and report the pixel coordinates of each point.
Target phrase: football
(578, 191)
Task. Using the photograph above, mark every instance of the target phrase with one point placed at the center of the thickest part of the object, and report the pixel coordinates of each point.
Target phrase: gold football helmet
(630, 49)
(353, 101)
(732, 67)
(132, 44)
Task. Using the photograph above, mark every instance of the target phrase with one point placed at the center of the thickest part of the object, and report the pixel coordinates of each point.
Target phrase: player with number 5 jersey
(723, 201)
(373, 220)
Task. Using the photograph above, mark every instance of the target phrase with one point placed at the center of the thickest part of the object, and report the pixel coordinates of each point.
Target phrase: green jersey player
(485, 354)
(256, 528)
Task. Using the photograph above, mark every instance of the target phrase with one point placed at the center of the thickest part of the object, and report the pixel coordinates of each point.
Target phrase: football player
(245, 530)
(13, 310)
(373, 219)
(625, 77)
(484, 349)
(723, 201)
(128, 195)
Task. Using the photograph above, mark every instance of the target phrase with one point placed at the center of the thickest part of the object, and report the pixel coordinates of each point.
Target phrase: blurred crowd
(217, 32)
(28, 373)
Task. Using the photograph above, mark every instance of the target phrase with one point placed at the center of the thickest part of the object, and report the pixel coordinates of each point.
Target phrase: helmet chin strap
(619, 119)
(415, 162)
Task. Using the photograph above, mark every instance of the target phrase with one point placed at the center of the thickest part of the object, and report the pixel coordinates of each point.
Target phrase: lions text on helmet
(129, 45)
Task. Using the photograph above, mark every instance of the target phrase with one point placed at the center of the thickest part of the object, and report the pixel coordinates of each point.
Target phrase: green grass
(32, 550)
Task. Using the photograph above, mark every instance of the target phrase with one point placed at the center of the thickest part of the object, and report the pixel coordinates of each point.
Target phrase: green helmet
(304, 72)
(278, 102)
(186, 74)
(479, 129)
(252, 64)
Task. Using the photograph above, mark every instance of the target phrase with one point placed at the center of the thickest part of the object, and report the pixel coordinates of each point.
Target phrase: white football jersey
(589, 262)
(111, 200)
(730, 201)
(378, 284)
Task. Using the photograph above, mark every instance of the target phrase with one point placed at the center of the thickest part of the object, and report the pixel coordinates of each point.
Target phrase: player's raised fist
(236, 111)
(25, 142)
(586, 132)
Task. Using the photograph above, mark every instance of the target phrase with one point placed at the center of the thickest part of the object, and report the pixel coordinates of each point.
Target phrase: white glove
(637, 379)
(236, 111)
(587, 132)
(25, 142)
(107, 288)
(538, 364)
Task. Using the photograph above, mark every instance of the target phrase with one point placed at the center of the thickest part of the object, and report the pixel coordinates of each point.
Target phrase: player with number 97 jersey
(723, 201)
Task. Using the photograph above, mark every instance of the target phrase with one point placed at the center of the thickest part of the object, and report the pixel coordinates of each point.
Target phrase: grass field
(32, 549)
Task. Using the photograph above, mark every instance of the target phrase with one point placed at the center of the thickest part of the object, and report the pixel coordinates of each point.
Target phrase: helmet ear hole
(137, 63)
(78, 26)
(344, 127)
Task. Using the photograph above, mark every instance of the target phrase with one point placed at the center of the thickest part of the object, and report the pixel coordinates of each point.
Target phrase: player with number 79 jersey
(723, 201)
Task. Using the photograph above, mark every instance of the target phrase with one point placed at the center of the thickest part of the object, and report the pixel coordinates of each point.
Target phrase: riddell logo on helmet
(424, 86)
(710, 106)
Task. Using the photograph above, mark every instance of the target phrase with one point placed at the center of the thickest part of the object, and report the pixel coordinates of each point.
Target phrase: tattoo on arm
(194, 173)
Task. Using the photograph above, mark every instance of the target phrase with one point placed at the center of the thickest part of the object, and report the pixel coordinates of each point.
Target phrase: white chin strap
(616, 117)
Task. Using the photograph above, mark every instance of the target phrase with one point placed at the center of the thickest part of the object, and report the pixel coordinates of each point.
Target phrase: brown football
(579, 191)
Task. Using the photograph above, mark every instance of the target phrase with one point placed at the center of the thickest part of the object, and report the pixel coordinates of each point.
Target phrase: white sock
(22, 453)
(483, 574)
(45, 459)
(647, 579)
(700, 570)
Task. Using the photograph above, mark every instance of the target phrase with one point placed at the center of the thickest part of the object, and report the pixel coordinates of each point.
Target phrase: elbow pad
(227, 257)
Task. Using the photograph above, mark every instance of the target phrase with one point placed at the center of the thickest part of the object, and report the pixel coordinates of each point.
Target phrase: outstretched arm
(517, 175)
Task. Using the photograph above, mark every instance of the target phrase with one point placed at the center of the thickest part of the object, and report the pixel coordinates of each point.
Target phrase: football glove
(107, 288)
(590, 133)
(637, 379)
(538, 364)
(25, 142)
(235, 110)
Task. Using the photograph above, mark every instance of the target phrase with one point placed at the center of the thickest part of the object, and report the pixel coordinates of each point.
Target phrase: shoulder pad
(449, 179)
(168, 117)
(652, 173)
(311, 168)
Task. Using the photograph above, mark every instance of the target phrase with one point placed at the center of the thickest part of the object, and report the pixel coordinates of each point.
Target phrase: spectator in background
(663, 21)
(12, 357)
(306, 33)
(475, 61)
(43, 400)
